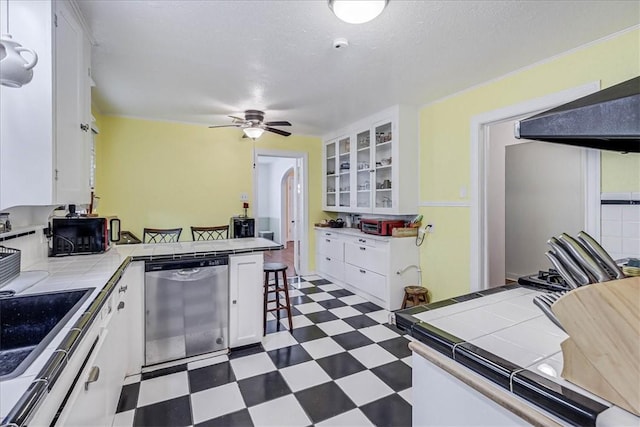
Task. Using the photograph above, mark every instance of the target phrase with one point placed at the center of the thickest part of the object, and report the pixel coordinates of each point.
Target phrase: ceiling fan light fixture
(357, 11)
(253, 132)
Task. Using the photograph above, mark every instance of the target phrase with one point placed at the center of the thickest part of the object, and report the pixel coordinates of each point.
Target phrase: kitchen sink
(29, 322)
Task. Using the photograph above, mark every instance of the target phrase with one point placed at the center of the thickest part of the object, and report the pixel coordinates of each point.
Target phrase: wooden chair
(210, 233)
(161, 235)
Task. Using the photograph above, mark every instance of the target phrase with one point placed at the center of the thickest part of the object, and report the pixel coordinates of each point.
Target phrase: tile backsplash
(620, 224)
(33, 247)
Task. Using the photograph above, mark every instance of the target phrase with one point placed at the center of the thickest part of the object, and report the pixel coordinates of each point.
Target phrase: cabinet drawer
(362, 256)
(365, 280)
(330, 266)
(364, 241)
(332, 246)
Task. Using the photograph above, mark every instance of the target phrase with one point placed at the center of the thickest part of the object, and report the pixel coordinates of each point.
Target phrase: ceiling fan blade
(236, 118)
(225, 126)
(278, 131)
(278, 123)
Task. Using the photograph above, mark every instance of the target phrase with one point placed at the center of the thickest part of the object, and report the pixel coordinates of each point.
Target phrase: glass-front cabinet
(372, 169)
(330, 160)
(364, 174)
(344, 174)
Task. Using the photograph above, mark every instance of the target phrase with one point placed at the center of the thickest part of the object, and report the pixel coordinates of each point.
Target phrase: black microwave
(71, 236)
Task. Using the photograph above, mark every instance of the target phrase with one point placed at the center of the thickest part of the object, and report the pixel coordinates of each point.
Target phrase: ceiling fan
(254, 125)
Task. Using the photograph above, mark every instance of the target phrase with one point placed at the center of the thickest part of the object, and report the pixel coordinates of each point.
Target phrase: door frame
(302, 224)
(479, 268)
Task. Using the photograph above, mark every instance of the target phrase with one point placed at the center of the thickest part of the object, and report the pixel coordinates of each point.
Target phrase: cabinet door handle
(328, 240)
(120, 305)
(363, 249)
(122, 289)
(328, 259)
(363, 271)
(84, 127)
(94, 374)
(234, 301)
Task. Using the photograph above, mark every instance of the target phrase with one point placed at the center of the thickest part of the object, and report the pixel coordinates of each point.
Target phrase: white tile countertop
(94, 271)
(503, 336)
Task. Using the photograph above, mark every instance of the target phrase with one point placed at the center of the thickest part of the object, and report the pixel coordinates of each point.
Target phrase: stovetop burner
(548, 280)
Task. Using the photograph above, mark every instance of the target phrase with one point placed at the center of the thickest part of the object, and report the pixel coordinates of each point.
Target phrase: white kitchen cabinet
(330, 254)
(367, 265)
(94, 398)
(43, 160)
(381, 173)
(245, 299)
(72, 109)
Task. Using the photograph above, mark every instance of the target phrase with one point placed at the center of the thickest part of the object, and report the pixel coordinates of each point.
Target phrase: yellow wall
(445, 148)
(165, 174)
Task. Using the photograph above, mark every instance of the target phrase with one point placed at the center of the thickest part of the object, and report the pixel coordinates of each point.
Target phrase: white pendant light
(253, 132)
(357, 11)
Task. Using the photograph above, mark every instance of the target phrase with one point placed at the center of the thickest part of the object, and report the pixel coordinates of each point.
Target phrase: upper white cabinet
(44, 151)
(373, 166)
(73, 109)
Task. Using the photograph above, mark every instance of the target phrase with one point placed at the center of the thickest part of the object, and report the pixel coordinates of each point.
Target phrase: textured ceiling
(198, 61)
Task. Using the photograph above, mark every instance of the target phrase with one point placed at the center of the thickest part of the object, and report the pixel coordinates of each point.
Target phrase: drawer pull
(363, 271)
(94, 374)
(362, 241)
(328, 240)
(363, 249)
(327, 234)
(327, 258)
(120, 305)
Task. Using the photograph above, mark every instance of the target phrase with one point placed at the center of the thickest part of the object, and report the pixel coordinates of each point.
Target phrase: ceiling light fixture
(253, 132)
(357, 11)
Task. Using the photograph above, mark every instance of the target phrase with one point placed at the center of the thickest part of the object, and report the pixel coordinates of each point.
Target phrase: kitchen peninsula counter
(492, 357)
(21, 396)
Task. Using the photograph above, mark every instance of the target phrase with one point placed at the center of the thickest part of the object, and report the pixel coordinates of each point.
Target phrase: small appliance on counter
(242, 227)
(79, 235)
(380, 227)
(5, 224)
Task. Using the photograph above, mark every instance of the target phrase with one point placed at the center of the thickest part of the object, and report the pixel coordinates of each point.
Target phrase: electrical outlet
(244, 197)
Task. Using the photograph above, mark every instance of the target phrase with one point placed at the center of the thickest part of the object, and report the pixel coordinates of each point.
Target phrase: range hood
(608, 120)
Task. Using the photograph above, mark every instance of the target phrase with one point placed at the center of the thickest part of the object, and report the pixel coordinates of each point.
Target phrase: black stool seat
(276, 288)
(274, 267)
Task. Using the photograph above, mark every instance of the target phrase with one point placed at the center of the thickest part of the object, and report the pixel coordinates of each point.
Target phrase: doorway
(280, 195)
(480, 167)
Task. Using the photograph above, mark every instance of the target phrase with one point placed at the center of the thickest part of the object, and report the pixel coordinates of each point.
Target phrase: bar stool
(416, 295)
(275, 268)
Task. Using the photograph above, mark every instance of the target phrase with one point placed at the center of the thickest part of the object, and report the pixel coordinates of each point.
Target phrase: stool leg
(266, 293)
(414, 300)
(286, 297)
(404, 300)
(277, 299)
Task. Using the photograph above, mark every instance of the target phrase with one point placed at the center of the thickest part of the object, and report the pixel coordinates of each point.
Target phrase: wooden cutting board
(602, 354)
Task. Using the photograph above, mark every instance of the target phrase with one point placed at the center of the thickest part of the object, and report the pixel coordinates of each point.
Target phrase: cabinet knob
(362, 248)
(328, 240)
(234, 301)
(84, 127)
(328, 259)
(122, 289)
(120, 305)
(94, 374)
(363, 271)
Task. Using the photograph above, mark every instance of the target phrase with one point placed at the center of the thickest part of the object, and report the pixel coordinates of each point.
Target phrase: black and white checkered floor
(343, 365)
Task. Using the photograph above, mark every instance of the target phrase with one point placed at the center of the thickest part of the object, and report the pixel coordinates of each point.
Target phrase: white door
(297, 212)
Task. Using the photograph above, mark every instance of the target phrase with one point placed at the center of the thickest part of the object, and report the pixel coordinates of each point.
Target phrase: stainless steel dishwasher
(186, 308)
